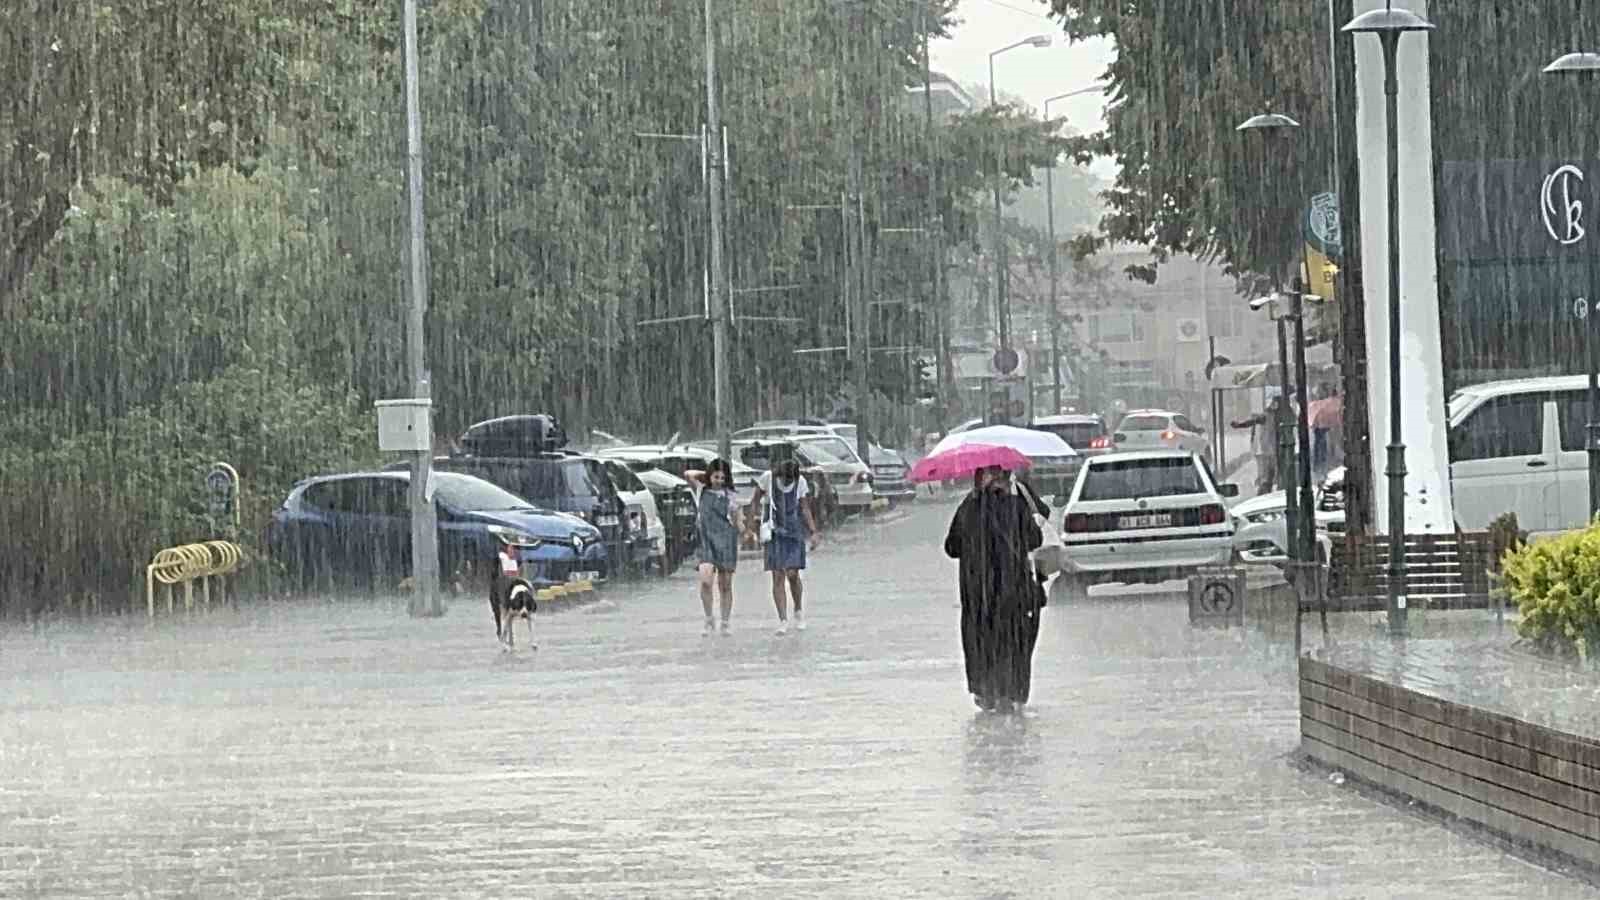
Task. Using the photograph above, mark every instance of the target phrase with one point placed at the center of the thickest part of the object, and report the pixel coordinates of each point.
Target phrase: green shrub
(1556, 586)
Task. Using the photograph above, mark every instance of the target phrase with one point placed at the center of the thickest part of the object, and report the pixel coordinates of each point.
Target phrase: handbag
(767, 515)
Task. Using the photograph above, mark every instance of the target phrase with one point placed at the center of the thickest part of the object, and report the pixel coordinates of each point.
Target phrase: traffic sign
(1005, 360)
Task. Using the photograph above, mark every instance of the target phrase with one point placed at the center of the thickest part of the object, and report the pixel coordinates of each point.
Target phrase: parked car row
(566, 516)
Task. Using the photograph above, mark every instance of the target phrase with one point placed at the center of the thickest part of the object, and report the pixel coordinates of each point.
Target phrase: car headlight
(514, 538)
(1261, 518)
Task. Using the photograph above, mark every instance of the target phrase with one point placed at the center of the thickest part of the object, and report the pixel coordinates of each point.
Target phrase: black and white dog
(511, 598)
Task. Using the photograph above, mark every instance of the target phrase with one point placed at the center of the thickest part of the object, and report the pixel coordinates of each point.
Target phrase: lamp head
(1387, 21)
(1267, 121)
(1575, 64)
(1039, 40)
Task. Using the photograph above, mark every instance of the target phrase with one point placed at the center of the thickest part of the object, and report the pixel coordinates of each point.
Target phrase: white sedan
(1148, 429)
(1144, 517)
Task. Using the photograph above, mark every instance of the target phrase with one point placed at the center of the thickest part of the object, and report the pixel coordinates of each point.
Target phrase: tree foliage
(204, 233)
(1184, 76)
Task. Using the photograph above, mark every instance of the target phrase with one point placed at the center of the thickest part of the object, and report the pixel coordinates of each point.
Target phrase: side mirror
(1228, 490)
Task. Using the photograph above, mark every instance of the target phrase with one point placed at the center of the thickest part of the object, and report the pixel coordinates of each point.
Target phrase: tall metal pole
(1592, 429)
(1001, 310)
(863, 309)
(719, 280)
(1291, 496)
(1308, 509)
(935, 305)
(1055, 309)
(425, 599)
(1397, 447)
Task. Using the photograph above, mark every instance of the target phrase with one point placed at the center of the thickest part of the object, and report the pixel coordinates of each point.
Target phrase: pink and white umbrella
(962, 461)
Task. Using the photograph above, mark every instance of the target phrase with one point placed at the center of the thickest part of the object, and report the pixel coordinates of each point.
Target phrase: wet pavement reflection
(340, 748)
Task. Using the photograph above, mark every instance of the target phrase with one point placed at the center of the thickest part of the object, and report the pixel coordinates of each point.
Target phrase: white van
(1518, 446)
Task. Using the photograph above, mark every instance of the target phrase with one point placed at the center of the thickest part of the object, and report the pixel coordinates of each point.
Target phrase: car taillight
(1077, 523)
(1168, 435)
(1213, 515)
(1100, 443)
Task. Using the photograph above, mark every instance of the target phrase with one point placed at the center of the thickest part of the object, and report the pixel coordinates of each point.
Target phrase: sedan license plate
(1153, 520)
(607, 520)
(575, 577)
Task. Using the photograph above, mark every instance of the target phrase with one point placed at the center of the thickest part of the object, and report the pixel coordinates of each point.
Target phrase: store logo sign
(1563, 213)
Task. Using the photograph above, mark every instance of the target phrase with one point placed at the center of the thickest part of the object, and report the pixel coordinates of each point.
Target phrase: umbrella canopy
(1026, 441)
(962, 461)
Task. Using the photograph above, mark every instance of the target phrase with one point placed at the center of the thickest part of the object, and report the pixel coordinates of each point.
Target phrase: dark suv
(559, 481)
(522, 454)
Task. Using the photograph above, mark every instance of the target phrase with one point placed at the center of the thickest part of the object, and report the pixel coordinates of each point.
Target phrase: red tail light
(1168, 435)
(1213, 515)
(1077, 523)
(1100, 443)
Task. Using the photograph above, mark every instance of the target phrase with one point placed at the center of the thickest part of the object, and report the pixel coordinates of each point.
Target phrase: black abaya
(992, 534)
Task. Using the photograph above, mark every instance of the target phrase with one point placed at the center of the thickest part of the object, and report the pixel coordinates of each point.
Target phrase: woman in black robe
(992, 535)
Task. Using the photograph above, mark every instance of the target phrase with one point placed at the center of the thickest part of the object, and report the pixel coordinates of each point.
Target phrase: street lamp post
(1299, 505)
(425, 599)
(1050, 213)
(1002, 307)
(1390, 24)
(1584, 67)
(718, 287)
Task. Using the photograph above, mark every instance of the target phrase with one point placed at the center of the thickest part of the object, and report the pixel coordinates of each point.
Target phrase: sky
(1032, 74)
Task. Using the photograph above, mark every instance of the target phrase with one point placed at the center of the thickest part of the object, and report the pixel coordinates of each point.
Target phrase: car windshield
(465, 492)
(1128, 479)
(1143, 423)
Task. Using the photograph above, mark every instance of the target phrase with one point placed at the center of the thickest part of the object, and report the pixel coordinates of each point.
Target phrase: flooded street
(343, 750)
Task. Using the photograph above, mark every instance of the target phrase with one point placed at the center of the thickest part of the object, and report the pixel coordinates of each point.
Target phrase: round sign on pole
(1005, 360)
(1580, 307)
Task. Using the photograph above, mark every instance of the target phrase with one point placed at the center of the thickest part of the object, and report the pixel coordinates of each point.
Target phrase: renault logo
(1563, 213)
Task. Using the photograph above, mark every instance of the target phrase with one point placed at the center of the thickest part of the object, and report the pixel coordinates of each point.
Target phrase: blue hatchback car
(357, 527)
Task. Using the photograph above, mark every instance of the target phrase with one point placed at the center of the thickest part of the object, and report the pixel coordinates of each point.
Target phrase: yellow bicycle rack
(186, 564)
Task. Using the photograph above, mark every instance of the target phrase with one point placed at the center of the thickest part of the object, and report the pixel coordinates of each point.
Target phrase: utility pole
(936, 226)
(719, 275)
(863, 326)
(425, 599)
(859, 323)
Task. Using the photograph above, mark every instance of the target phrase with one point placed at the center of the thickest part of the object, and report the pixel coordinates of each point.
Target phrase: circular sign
(1216, 597)
(1005, 360)
(1189, 328)
(1580, 307)
(1322, 224)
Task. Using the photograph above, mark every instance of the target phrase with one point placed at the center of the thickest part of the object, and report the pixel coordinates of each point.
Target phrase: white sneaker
(711, 628)
(783, 627)
(799, 619)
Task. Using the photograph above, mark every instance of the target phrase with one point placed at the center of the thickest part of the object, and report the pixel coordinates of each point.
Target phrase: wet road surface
(338, 750)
